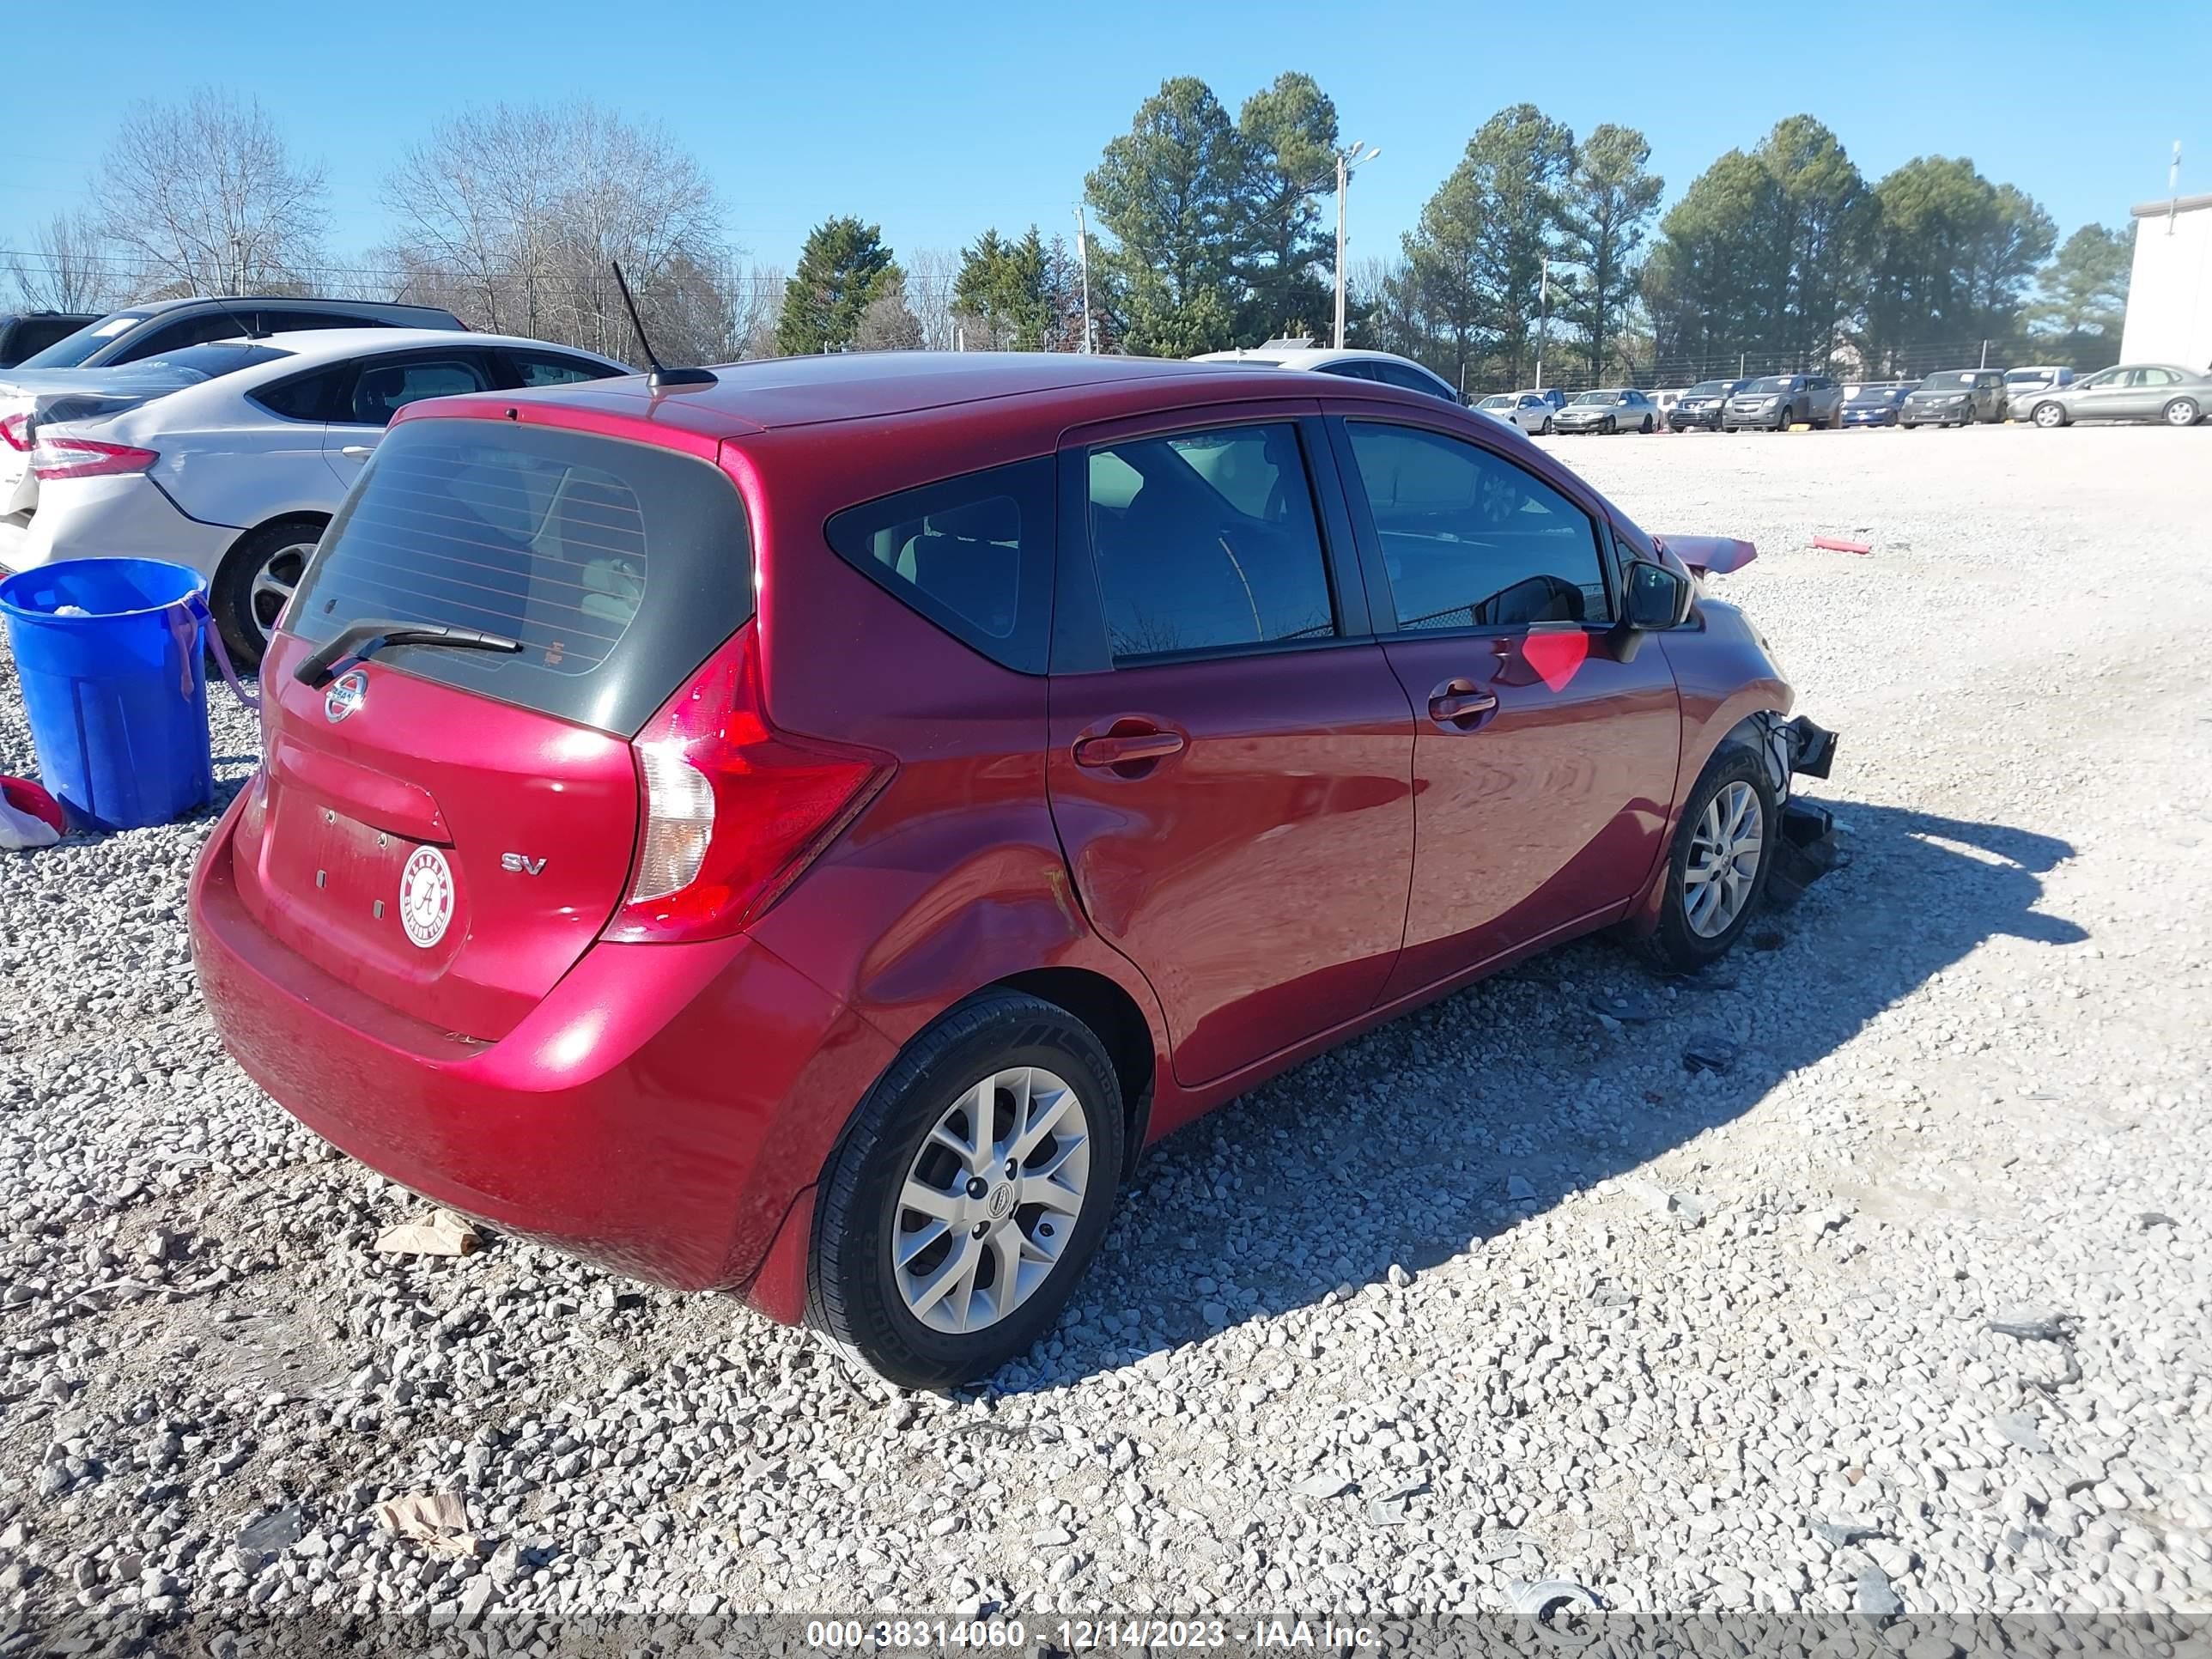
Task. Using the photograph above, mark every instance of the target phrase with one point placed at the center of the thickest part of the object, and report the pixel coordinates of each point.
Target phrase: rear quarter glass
(619, 566)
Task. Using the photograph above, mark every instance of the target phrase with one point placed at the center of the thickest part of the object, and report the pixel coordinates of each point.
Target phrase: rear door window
(973, 554)
(1472, 541)
(554, 369)
(1207, 542)
(384, 387)
(618, 566)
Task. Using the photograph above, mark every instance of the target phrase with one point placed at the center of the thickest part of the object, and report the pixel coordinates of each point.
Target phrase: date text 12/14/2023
(1091, 1635)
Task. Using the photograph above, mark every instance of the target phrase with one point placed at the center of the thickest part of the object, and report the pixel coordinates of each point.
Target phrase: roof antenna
(662, 375)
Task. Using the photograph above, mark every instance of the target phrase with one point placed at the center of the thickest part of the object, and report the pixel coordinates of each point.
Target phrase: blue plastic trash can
(117, 696)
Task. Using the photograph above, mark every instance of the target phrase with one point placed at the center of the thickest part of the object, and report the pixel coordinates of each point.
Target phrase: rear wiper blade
(375, 633)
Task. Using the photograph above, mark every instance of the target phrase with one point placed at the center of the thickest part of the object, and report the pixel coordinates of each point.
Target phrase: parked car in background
(1879, 404)
(1778, 402)
(169, 326)
(1700, 408)
(581, 779)
(25, 333)
(2131, 392)
(1525, 411)
(1615, 408)
(236, 471)
(1384, 367)
(2022, 384)
(1956, 396)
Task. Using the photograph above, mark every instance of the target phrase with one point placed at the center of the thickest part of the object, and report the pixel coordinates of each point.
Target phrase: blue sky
(937, 125)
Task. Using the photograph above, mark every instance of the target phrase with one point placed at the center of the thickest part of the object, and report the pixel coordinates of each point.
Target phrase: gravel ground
(1501, 1291)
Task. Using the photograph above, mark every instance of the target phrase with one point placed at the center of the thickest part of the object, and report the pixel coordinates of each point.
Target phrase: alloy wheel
(273, 584)
(991, 1199)
(2048, 415)
(1724, 860)
(2181, 412)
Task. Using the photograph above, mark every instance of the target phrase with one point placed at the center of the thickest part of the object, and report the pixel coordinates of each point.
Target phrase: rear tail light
(734, 810)
(55, 457)
(16, 433)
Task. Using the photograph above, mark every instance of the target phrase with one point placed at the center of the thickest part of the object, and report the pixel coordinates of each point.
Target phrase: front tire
(1544, 430)
(1717, 868)
(2048, 415)
(2182, 411)
(255, 579)
(970, 1192)
(1646, 429)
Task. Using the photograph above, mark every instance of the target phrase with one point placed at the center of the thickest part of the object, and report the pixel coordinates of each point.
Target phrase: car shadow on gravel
(1416, 1144)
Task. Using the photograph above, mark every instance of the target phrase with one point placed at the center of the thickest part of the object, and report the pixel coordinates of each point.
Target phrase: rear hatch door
(448, 830)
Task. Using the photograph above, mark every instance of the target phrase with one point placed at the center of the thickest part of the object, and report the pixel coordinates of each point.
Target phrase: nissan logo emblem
(347, 694)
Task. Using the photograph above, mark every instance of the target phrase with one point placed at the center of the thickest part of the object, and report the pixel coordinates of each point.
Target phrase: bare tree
(513, 216)
(756, 302)
(888, 325)
(205, 194)
(930, 276)
(68, 269)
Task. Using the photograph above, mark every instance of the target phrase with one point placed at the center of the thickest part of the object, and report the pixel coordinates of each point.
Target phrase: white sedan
(231, 457)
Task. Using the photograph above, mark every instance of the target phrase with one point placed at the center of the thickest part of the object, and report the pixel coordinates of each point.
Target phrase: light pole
(1543, 320)
(1354, 156)
(1083, 259)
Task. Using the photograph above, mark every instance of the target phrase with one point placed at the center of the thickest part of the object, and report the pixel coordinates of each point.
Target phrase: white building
(2170, 292)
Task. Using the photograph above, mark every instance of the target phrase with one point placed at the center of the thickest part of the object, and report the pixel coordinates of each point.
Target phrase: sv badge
(521, 864)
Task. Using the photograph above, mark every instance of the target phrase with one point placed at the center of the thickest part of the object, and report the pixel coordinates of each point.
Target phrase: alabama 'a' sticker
(426, 896)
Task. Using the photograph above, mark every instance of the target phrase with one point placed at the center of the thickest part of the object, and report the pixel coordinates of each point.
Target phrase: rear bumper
(124, 517)
(657, 1112)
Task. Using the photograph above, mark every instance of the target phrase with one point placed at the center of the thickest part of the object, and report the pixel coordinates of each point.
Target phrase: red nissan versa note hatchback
(805, 833)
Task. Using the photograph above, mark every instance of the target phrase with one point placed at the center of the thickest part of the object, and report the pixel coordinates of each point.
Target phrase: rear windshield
(618, 566)
(1772, 383)
(72, 349)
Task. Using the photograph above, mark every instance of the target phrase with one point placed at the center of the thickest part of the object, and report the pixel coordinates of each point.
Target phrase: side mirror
(1657, 598)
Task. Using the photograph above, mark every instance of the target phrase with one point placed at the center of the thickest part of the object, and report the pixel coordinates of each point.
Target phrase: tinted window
(548, 369)
(287, 319)
(34, 334)
(325, 395)
(973, 554)
(383, 389)
(168, 339)
(72, 349)
(1411, 378)
(618, 566)
(1355, 370)
(1471, 540)
(1208, 541)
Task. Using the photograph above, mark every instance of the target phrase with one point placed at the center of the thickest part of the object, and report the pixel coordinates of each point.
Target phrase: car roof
(765, 394)
(311, 346)
(1307, 356)
(216, 302)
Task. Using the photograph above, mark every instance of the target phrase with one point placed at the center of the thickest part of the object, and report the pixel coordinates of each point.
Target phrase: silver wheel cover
(1724, 860)
(990, 1201)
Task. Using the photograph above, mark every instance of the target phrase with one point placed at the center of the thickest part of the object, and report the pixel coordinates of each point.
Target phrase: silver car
(2132, 391)
(1531, 411)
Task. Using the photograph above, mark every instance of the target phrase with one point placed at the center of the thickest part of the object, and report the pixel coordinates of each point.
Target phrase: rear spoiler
(1716, 556)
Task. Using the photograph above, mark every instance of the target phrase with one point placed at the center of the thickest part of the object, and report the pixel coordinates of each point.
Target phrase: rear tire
(905, 1129)
(1687, 937)
(2182, 411)
(255, 579)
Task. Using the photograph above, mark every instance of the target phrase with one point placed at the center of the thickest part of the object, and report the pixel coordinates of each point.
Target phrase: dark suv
(805, 834)
(1698, 410)
(26, 333)
(149, 331)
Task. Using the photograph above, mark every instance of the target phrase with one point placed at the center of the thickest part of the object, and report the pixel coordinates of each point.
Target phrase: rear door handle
(1120, 749)
(1459, 703)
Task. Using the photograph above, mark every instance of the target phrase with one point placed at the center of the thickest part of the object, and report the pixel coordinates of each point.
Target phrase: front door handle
(357, 452)
(1118, 750)
(1459, 704)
